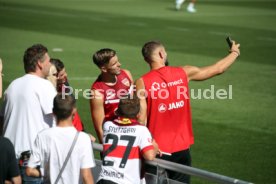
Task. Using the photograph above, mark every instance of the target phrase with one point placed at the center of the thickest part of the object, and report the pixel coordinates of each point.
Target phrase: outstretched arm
(97, 112)
(203, 73)
(140, 92)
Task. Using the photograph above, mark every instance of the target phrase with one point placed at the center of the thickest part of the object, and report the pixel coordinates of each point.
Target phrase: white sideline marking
(219, 33)
(267, 39)
(139, 24)
(97, 19)
(178, 29)
(38, 11)
(57, 50)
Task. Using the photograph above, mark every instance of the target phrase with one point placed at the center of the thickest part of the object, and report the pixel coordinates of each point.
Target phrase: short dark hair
(58, 64)
(148, 49)
(32, 55)
(103, 56)
(63, 106)
(129, 107)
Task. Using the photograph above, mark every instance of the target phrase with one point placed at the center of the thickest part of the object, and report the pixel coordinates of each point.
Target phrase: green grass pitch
(234, 137)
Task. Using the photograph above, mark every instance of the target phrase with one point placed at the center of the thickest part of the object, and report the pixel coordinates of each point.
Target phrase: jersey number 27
(115, 139)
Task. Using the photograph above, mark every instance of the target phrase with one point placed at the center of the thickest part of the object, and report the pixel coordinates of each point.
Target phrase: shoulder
(127, 72)
(142, 128)
(140, 83)
(5, 141)
(107, 124)
(189, 68)
(98, 88)
(43, 84)
(17, 82)
(97, 82)
(84, 138)
(97, 94)
(84, 135)
(46, 132)
(7, 147)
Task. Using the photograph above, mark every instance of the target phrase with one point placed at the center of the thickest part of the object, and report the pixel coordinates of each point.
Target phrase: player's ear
(39, 64)
(103, 69)
(160, 54)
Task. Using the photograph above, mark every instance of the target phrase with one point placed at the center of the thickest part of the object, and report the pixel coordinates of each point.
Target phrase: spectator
(125, 142)
(28, 103)
(52, 146)
(106, 90)
(60, 81)
(9, 170)
(169, 118)
(1, 74)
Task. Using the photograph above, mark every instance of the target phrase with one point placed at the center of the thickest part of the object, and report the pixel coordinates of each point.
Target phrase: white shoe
(191, 8)
(178, 4)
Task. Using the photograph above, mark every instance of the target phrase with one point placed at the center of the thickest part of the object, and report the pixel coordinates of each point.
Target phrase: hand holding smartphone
(229, 41)
(235, 48)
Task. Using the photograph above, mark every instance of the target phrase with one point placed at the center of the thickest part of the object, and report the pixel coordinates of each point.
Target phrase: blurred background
(234, 137)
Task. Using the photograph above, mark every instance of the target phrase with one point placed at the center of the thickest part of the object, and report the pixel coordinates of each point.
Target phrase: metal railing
(159, 163)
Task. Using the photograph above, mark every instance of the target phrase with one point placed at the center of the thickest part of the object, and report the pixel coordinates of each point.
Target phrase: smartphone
(229, 41)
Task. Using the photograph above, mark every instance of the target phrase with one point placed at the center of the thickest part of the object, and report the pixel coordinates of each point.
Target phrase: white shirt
(51, 148)
(27, 109)
(123, 148)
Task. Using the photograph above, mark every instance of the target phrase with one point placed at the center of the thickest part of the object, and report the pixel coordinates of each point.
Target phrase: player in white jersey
(126, 141)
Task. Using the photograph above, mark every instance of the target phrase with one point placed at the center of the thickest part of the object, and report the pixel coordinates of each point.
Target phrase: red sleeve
(145, 149)
(77, 122)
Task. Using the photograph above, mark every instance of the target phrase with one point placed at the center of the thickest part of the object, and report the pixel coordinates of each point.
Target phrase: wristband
(231, 51)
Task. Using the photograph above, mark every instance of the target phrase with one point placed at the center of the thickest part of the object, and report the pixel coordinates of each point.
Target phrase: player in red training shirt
(112, 83)
(165, 103)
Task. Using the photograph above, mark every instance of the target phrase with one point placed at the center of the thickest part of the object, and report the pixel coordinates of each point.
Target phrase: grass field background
(234, 137)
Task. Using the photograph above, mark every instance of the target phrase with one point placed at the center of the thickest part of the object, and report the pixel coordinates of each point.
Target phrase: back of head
(129, 107)
(103, 56)
(63, 106)
(58, 64)
(149, 48)
(32, 55)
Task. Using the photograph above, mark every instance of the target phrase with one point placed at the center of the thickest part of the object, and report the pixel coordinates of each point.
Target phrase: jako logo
(162, 108)
(176, 105)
